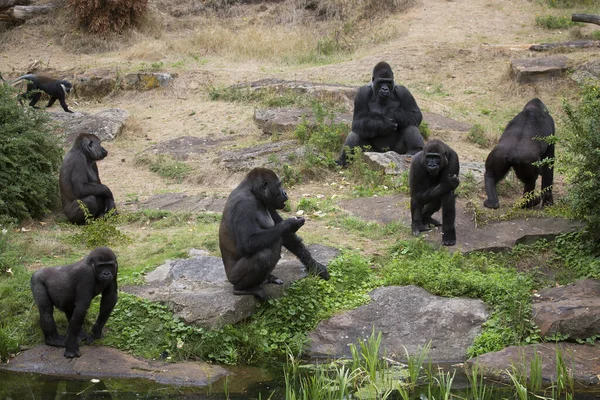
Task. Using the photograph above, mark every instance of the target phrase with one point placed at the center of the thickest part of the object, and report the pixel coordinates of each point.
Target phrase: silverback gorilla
(79, 180)
(386, 117)
(252, 232)
(521, 144)
(71, 289)
(432, 180)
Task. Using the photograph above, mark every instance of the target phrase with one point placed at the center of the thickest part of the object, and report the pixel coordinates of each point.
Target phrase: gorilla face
(433, 162)
(383, 87)
(274, 194)
(91, 145)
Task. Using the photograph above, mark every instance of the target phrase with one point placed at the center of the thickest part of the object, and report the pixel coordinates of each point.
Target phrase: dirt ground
(453, 55)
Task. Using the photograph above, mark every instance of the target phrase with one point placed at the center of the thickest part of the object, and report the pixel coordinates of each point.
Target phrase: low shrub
(103, 17)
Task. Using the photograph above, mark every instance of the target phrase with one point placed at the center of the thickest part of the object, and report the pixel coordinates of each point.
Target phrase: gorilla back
(523, 143)
(252, 233)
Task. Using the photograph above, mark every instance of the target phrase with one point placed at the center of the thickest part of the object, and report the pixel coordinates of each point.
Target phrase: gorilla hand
(315, 267)
(453, 182)
(293, 224)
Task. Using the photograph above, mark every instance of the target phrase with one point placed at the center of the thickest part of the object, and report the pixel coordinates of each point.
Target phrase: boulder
(146, 80)
(185, 147)
(107, 362)
(183, 202)
(581, 360)
(266, 155)
(527, 70)
(107, 124)
(197, 290)
(409, 318)
(276, 121)
(390, 162)
(572, 310)
(95, 83)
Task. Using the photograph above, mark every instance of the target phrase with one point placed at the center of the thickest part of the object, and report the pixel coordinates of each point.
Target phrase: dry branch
(578, 44)
(589, 18)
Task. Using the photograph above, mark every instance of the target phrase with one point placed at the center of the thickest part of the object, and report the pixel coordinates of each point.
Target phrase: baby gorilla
(433, 178)
(252, 232)
(71, 289)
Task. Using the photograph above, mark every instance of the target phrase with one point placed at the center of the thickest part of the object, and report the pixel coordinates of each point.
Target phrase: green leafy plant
(101, 231)
(165, 166)
(477, 136)
(30, 157)
(553, 22)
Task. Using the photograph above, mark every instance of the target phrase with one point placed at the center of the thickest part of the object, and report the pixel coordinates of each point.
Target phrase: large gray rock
(197, 290)
(183, 202)
(588, 73)
(494, 236)
(390, 162)
(274, 121)
(185, 147)
(581, 360)
(266, 155)
(95, 83)
(526, 70)
(146, 80)
(408, 317)
(107, 362)
(573, 309)
(107, 124)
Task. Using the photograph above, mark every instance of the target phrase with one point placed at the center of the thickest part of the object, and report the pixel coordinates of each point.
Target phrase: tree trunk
(578, 44)
(589, 18)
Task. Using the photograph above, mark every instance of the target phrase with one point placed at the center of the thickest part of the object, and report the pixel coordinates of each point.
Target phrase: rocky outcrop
(277, 121)
(572, 310)
(527, 70)
(184, 203)
(107, 124)
(409, 318)
(588, 73)
(197, 290)
(268, 155)
(580, 360)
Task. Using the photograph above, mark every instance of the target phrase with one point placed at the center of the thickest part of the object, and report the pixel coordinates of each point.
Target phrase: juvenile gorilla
(79, 180)
(522, 144)
(71, 289)
(386, 117)
(433, 178)
(252, 232)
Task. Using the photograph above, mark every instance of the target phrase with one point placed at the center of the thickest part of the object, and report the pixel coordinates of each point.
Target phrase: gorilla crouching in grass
(252, 233)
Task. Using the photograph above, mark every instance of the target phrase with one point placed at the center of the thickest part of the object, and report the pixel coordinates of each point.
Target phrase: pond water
(246, 383)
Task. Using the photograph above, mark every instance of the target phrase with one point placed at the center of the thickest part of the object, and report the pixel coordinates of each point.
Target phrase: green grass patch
(267, 97)
(554, 22)
(165, 166)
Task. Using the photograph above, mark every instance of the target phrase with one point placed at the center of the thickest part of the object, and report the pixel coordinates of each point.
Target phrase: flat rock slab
(183, 202)
(268, 155)
(197, 290)
(186, 147)
(409, 318)
(437, 122)
(573, 309)
(107, 124)
(526, 70)
(495, 236)
(581, 360)
(107, 362)
(276, 121)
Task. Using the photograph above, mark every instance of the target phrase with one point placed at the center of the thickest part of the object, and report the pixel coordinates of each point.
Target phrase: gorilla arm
(448, 180)
(365, 123)
(409, 113)
(80, 182)
(294, 244)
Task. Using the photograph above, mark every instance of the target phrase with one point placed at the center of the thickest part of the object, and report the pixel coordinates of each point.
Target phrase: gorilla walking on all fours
(79, 180)
(386, 117)
(521, 145)
(432, 180)
(252, 232)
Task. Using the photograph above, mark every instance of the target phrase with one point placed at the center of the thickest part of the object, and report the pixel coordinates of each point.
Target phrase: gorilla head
(435, 159)
(267, 188)
(383, 80)
(90, 146)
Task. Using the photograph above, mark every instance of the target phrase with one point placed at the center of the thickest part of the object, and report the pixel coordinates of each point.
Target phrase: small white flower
(4, 231)
(95, 380)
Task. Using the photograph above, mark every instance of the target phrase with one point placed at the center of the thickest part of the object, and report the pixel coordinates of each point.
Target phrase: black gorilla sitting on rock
(523, 143)
(252, 232)
(386, 117)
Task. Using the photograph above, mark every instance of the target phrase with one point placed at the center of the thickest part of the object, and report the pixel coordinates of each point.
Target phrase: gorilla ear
(265, 184)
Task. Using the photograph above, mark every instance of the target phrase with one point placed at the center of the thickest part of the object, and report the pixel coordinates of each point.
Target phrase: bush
(552, 22)
(582, 158)
(30, 157)
(108, 16)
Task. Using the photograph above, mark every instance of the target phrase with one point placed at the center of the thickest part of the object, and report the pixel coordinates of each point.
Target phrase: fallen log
(588, 18)
(10, 3)
(577, 44)
(18, 14)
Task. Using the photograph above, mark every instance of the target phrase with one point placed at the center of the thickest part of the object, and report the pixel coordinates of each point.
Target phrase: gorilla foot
(419, 227)
(532, 203)
(72, 353)
(448, 242)
(489, 204)
(255, 291)
(83, 336)
(56, 341)
(274, 279)
(431, 221)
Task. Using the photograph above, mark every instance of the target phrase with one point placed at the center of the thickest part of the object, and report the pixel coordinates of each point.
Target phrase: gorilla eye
(91, 144)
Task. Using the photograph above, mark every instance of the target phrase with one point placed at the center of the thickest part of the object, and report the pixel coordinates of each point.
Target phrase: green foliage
(369, 181)
(267, 97)
(552, 22)
(165, 166)
(582, 124)
(477, 136)
(30, 157)
(101, 231)
(468, 185)
(424, 129)
(103, 17)
(569, 3)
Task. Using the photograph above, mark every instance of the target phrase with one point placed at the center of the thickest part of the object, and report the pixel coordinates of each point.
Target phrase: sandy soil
(452, 55)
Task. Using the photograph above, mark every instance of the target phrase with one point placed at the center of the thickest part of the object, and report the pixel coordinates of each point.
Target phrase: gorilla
(252, 232)
(71, 289)
(79, 180)
(521, 144)
(386, 117)
(432, 179)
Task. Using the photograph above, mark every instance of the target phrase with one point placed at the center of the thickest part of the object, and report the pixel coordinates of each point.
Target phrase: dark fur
(386, 117)
(71, 289)
(52, 87)
(518, 148)
(252, 232)
(79, 180)
(433, 178)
